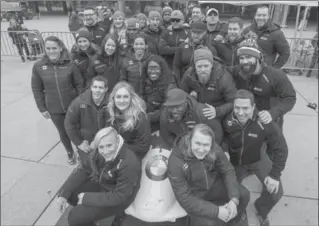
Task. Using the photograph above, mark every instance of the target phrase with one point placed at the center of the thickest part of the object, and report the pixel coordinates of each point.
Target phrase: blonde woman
(128, 116)
(118, 28)
(110, 185)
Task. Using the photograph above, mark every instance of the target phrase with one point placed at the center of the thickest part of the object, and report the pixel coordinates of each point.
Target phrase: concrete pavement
(34, 165)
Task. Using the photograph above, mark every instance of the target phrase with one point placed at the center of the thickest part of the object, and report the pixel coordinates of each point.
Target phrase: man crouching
(204, 181)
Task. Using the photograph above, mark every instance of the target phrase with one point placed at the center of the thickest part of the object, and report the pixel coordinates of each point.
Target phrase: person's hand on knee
(62, 204)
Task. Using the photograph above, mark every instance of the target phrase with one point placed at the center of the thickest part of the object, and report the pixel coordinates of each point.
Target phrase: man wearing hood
(210, 83)
(216, 30)
(226, 49)
(171, 40)
(132, 29)
(183, 56)
(86, 115)
(107, 187)
(247, 140)
(166, 14)
(82, 52)
(179, 115)
(157, 79)
(204, 181)
(95, 27)
(270, 38)
(154, 28)
(273, 91)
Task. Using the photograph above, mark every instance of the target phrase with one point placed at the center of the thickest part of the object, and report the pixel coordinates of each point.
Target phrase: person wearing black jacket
(270, 38)
(86, 115)
(16, 32)
(273, 91)
(157, 79)
(246, 138)
(109, 186)
(204, 181)
(56, 82)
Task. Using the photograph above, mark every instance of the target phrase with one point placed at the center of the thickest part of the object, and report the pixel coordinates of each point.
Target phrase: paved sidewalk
(34, 165)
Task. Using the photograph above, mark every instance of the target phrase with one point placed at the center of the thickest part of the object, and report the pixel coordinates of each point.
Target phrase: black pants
(261, 169)
(58, 121)
(219, 196)
(23, 45)
(82, 215)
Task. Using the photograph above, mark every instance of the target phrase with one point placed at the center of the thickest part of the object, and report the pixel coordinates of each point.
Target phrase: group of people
(214, 91)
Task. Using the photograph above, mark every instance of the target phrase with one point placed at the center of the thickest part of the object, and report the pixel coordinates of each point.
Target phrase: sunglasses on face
(175, 20)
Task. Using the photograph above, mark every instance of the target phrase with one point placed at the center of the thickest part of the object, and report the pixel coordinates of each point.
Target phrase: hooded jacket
(226, 51)
(138, 139)
(272, 42)
(246, 142)
(107, 66)
(98, 31)
(272, 89)
(184, 57)
(170, 129)
(218, 92)
(132, 69)
(154, 92)
(55, 86)
(191, 178)
(119, 180)
(84, 118)
(170, 42)
(82, 60)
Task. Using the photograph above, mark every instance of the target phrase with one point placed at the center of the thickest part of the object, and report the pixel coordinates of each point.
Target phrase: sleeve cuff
(274, 174)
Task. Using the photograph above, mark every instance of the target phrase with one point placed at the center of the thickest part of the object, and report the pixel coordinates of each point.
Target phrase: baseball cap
(175, 97)
(212, 10)
(177, 14)
(198, 26)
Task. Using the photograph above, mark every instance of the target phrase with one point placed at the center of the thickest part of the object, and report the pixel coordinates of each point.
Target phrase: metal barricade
(303, 56)
(68, 38)
(20, 43)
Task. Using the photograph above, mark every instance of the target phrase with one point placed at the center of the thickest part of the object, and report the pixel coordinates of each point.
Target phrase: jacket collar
(87, 98)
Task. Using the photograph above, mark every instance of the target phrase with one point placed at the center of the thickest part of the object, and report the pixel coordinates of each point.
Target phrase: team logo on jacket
(170, 33)
(83, 106)
(186, 46)
(229, 123)
(252, 135)
(96, 61)
(185, 166)
(130, 62)
(44, 67)
(258, 89)
(211, 87)
(110, 173)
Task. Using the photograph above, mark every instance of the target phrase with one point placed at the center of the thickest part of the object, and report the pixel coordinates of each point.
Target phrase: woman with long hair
(157, 79)
(134, 62)
(83, 50)
(107, 64)
(118, 28)
(128, 116)
(108, 187)
(55, 83)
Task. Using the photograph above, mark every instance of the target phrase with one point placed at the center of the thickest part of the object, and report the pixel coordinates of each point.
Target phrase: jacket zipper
(57, 85)
(98, 119)
(206, 178)
(242, 145)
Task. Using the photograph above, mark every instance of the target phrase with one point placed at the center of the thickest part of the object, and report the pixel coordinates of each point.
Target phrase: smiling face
(83, 43)
(139, 46)
(110, 47)
(89, 16)
(108, 146)
(118, 22)
(98, 89)
(248, 64)
(153, 70)
(234, 32)
(196, 14)
(200, 144)
(122, 99)
(53, 50)
(262, 16)
(212, 18)
(177, 112)
(243, 110)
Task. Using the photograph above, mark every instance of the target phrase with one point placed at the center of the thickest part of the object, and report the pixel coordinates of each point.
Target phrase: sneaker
(71, 159)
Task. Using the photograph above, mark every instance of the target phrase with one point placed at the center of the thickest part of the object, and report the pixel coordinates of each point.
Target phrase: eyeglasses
(175, 20)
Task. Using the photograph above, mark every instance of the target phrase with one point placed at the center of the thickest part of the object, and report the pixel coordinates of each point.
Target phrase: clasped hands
(228, 211)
